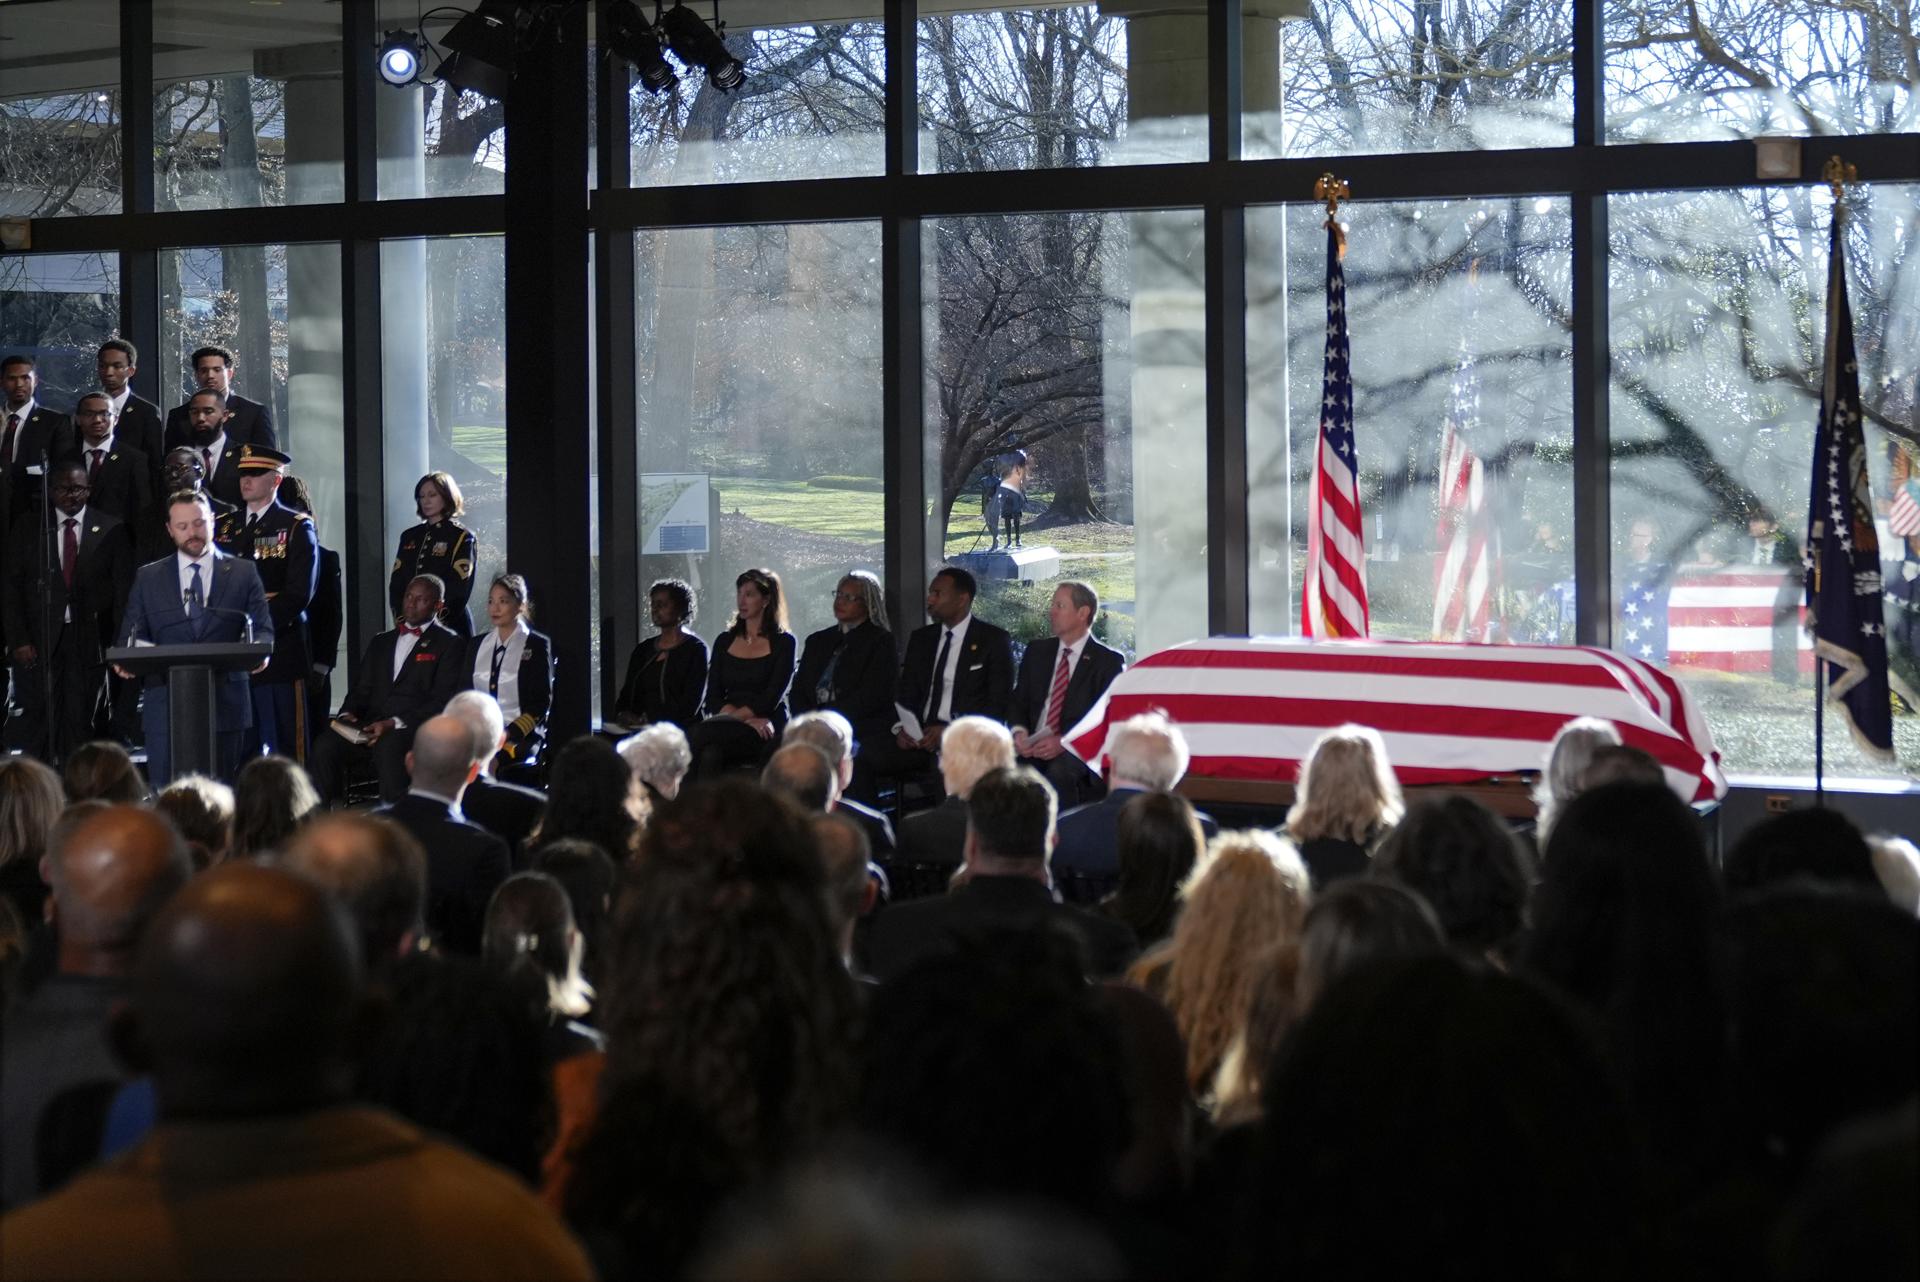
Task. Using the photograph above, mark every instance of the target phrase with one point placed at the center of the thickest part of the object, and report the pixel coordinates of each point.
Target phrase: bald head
(442, 760)
(375, 870)
(110, 872)
(243, 993)
(803, 772)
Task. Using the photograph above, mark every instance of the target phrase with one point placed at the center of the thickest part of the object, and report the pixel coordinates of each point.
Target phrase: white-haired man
(1146, 753)
(507, 810)
(832, 734)
(971, 747)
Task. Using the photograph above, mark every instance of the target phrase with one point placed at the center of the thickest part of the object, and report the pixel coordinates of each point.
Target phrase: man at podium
(197, 596)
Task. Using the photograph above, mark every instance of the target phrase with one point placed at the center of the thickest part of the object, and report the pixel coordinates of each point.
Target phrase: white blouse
(507, 691)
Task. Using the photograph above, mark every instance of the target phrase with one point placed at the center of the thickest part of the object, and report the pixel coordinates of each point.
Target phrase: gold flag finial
(1334, 190)
(1838, 173)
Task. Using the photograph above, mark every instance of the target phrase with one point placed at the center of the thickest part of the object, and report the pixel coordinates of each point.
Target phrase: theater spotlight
(484, 46)
(632, 37)
(399, 57)
(696, 44)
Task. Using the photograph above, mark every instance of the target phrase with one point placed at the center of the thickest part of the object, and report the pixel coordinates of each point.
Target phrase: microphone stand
(47, 552)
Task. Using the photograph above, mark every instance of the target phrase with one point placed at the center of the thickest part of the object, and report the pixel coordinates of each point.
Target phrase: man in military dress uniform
(281, 544)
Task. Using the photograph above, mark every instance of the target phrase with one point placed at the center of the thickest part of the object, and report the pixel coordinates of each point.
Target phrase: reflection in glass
(59, 111)
(1458, 323)
(1061, 88)
(58, 308)
(1718, 336)
(1684, 70)
(759, 406)
(1374, 76)
(1069, 348)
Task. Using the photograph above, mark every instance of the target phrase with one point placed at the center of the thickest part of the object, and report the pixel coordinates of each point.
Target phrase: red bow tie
(411, 630)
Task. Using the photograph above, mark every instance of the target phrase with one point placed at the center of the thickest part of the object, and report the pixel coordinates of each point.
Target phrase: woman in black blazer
(514, 664)
(667, 674)
(439, 546)
(747, 679)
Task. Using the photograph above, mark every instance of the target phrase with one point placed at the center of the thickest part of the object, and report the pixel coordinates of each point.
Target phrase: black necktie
(499, 657)
(939, 677)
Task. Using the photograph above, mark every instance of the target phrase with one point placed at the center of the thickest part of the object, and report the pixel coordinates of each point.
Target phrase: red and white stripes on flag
(1725, 619)
(1466, 536)
(1903, 517)
(1250, 709)
(1333, 602)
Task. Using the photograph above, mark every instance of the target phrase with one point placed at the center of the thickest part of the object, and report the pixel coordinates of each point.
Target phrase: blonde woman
(1345, 802)
(1568, 756)
(1248, 895)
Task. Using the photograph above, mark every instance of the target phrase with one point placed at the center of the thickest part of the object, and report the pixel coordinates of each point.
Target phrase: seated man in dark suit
(1146, 753)
(406, 676)
(507, 810)
(1010, 830)
(465, 862)
(956, 666)
(833, 735)
(850, 667)
(1061, 678)
(971, 747)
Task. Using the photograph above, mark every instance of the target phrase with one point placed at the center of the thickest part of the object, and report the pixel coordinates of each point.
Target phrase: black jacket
(1095, 671)
(251, 424)
(102, 577)
(433, 673)
(123, 485)
(982, 680)
(506, 810)
(465, 865)
(140, 428)
(863, 679)
(42, 436)
(879, 828)
(285, 553)
(1090, 835)
(727, 680)
(936, 836)
(652, 694)
(922, 928)
(529, 728)
(326, 614)
(447, 551)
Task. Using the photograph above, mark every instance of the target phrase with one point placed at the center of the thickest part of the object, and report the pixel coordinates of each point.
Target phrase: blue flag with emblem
(1844, 610)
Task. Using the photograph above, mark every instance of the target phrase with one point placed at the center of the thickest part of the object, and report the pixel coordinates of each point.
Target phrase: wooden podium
(192, 721)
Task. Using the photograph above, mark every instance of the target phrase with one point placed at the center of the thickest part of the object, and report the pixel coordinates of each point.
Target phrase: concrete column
(400, 133)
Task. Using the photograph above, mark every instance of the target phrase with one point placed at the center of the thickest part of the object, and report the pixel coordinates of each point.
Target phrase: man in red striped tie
(1061, 678)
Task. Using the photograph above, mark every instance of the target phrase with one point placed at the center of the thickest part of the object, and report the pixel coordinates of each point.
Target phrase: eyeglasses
(849, 597)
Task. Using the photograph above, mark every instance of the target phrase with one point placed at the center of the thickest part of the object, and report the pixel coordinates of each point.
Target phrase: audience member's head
(441, 759)
(659, 757)
(1010, 818)
(804, 773)
(727, 1011)
(31, 799)
(102, 771)
(1248, 894)
(1568, 756)
(110, 870)
(831, 733)
(969, 748)
(592, 795)
(1620, 763)
(1146, 751)
(1431, 1115)
(1347, 789)
(1357, 923)
(587, 874)
(1853, 1215)
(1814, 844)
(201, 809)
(272, 797)
(529, 929)
(244, 996)
(1456, 854)
(479, 712)
(1825, 985)
(845, 854)
(997, 1069)
(1896, 862)
(1273, 1006)
(1158, 839)
(376, 870)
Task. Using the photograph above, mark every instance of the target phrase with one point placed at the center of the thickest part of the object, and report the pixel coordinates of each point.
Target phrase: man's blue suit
(156, 613)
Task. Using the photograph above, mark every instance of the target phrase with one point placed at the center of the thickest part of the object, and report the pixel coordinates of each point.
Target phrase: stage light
(698, 45)
(632, 37)
(484, 45)
(399, 57)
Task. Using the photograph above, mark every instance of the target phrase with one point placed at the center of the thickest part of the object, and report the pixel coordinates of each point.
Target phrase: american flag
(1334, 603)
(1844, 608)
(1641, 628)
(1466, 538)
(1251, 708)
(1903, 518)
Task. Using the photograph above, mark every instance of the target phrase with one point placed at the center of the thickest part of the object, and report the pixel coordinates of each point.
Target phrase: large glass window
(1061, 87)
(247, 104)
(59, 111)
(758, 354)
(1372, 76)
(435, 139)
(812, 106)
(1066, 382)
(443, 328)
(1462, 373)
(1681, 70)
(1718, 334)
(57, 308)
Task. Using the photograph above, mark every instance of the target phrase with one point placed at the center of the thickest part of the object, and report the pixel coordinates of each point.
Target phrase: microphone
(242, 615)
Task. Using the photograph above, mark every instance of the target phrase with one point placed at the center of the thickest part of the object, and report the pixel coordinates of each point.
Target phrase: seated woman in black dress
(667, 673)
(514, 664)
(747, 679)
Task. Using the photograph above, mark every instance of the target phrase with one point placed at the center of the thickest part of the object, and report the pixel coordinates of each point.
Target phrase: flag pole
(1836, 174)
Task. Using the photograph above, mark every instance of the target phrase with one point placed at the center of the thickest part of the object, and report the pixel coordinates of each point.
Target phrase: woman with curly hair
(1345, 802)
(1248, 896)
(728, 1017)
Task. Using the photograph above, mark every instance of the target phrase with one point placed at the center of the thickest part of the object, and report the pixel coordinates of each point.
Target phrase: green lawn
(853, 515)
(486, 446)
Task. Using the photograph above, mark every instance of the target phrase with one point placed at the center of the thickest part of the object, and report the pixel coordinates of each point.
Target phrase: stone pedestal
(1026, 565)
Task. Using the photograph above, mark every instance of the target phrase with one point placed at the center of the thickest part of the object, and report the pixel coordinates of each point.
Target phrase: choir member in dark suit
(956, 666)
(1061, 678)
(207, 421)
(406, 676)
(77, 585)
(136, 422)
(465, 862)
(117, 473)
(514, 664)
(180, 472)
(247, 422)
(667, 672)
(30, 435)
(850, 667)
(747, 680)
(439, 546)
